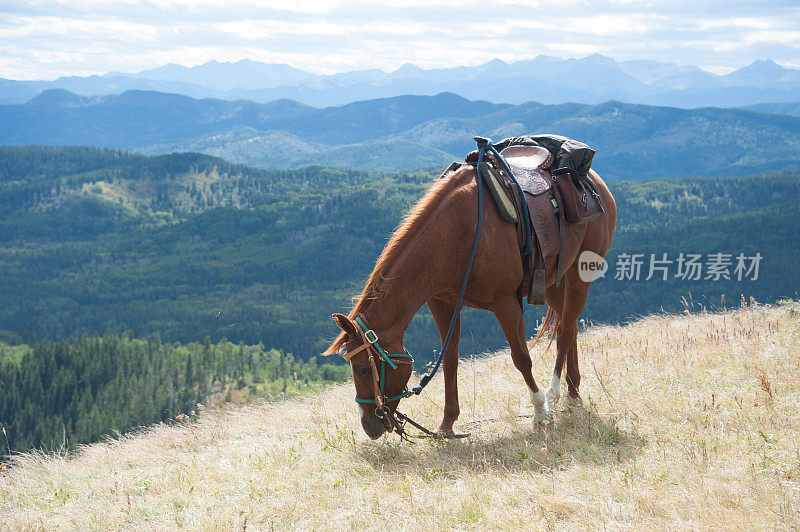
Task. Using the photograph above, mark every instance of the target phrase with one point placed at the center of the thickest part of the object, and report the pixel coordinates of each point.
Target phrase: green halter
(386, 358)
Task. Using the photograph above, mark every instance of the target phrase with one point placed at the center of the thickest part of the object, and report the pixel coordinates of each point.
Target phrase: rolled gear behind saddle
(566, 152)
(572, 161)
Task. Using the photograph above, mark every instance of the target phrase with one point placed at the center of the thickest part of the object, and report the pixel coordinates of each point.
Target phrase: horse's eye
(361, 372)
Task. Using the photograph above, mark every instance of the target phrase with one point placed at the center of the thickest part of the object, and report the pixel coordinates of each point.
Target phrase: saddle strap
(562, 225)
(538, 287)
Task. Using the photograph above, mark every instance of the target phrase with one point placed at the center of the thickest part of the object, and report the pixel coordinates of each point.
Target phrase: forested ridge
(99, 241)
(61, 393)
(186, 245)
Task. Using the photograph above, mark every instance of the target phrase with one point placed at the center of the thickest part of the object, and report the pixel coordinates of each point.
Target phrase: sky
(50, 38)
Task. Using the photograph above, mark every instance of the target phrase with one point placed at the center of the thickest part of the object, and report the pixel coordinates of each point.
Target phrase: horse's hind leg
(575, 293)
(442, 314)
(555, 300)
(509, 315)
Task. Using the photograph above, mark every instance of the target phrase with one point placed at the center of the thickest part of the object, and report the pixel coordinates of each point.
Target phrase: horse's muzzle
(372, 425)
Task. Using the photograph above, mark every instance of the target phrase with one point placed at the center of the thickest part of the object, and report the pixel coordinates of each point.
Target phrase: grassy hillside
(688, 422)
(408, 132)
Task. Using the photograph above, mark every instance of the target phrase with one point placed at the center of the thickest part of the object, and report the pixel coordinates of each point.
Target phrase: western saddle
(551, 199)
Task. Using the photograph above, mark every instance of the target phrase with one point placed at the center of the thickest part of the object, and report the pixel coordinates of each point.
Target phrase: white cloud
(791, 38)
(48, 38)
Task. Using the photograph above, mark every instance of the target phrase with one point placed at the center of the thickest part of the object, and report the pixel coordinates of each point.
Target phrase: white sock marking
(554, 393)
(539, 402)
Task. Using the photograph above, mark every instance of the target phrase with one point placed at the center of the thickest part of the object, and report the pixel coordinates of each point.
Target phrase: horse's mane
(409, 227)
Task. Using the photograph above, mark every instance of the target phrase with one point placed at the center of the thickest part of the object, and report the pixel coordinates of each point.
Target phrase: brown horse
(425, 261)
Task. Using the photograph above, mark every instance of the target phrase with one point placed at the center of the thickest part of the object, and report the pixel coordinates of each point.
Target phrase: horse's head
(380, 378)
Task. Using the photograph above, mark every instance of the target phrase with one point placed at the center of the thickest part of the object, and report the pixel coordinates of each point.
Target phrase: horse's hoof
(542, 417)
(573, 401)
(445, 429)
(542, 414)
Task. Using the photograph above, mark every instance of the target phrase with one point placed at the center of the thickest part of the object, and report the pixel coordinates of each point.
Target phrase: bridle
(375, 354)
(369, 342)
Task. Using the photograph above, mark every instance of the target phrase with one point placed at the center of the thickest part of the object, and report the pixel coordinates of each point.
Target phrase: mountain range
(407, 132)
(550, 80)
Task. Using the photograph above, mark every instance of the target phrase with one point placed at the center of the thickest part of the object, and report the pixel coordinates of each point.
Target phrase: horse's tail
(549, 324)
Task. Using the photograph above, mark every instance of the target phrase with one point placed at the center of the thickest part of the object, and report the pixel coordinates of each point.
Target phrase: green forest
(186, 245)
(101, 247)
(57, 394)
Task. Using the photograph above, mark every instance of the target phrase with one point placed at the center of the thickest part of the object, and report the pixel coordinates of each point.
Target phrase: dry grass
(689, 422)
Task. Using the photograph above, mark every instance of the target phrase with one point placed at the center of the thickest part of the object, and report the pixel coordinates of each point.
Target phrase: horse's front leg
(509, 315)
(442, 314)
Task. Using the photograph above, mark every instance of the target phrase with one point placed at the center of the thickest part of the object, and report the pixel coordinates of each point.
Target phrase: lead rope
(482, 146)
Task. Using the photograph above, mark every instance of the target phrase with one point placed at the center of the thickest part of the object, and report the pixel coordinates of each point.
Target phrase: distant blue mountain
(140, 118)
(787, 108)
(550, 80)
(407, 132)
(242, 75)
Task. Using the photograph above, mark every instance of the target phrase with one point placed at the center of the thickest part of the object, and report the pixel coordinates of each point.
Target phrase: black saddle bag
(579, 195)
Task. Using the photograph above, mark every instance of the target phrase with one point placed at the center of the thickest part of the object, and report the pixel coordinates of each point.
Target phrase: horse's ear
(348, 330)
(345, 324)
